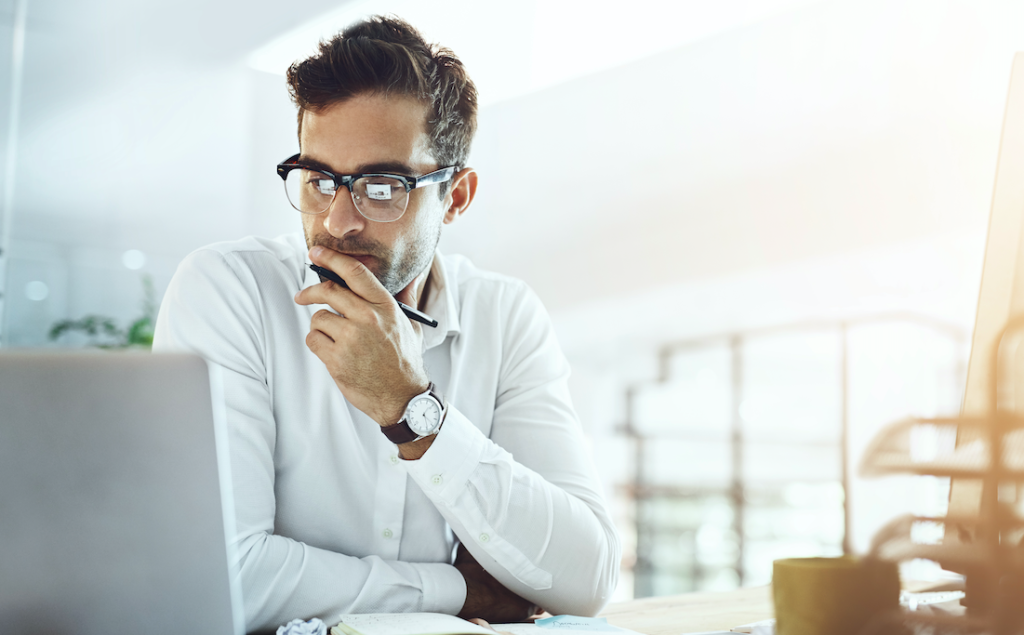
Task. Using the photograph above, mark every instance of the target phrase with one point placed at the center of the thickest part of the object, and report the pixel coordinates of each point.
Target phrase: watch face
(423, 415)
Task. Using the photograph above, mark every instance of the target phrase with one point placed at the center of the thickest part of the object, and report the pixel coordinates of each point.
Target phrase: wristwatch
(423, 417)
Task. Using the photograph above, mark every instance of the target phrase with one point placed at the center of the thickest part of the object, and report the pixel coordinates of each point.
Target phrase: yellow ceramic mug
(832, 596)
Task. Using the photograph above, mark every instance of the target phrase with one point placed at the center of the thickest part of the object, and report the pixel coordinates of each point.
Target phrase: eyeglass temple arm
(440, 176)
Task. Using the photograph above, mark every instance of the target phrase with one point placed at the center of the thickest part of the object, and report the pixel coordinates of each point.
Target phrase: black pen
(410, 312)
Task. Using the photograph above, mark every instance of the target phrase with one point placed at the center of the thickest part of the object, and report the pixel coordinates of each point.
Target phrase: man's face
(369, 133)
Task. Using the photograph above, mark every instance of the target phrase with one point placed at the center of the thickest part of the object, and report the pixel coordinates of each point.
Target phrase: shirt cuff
(444, 588)
(444, 469)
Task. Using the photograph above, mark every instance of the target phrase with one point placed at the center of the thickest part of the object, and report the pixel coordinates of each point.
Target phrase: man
(367, 449)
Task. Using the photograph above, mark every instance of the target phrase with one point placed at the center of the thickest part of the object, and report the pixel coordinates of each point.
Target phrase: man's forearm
(284, 578)
(542, 540)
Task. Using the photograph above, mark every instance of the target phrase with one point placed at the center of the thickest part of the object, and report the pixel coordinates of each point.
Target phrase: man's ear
(463, 189)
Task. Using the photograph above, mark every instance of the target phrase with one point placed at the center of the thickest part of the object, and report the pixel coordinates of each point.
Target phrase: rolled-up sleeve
(524, 499)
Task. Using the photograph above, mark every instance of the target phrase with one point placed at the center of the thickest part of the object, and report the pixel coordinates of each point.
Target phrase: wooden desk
(692, 612)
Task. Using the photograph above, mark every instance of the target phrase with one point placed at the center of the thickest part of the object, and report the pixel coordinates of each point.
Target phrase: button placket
(390, 503)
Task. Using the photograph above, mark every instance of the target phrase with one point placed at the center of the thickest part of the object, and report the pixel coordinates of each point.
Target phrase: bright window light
(37, 291)
(133, 259)
(513, 49)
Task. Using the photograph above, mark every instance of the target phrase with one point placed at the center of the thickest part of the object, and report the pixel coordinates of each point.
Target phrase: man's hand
(486, 597)
(373, 352)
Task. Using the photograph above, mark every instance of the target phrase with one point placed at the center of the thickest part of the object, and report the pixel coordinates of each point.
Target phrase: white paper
(764, 627)
(378, 191)
(533, 629)
(411, 624)
(298, 627)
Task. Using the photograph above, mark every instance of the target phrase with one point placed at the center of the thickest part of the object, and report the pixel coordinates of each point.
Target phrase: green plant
(104, 332)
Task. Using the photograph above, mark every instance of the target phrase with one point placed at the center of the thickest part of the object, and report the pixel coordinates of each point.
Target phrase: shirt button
(437, 479)
(394, 459)
(484, 537)
(387, 533)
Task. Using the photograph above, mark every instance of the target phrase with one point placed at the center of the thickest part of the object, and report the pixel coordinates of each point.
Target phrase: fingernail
(315, 251)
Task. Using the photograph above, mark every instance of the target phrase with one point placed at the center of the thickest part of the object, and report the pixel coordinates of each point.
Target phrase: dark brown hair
(385, 56)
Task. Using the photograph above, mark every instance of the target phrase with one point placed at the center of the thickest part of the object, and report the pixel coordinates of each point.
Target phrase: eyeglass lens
(377, 198)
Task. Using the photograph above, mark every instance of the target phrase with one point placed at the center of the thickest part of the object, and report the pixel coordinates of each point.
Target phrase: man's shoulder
(467, 277)
(288, 247)
(480, 294)
(252, 257)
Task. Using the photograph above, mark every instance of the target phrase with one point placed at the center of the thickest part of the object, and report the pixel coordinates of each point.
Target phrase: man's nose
(342, 217)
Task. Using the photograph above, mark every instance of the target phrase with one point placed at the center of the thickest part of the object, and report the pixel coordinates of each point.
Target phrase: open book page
(533, 629)
(406, 624)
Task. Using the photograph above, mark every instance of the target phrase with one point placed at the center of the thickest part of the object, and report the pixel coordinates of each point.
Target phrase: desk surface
(692, 612)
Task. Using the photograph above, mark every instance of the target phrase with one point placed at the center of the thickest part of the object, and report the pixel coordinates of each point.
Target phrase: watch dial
(424, 415)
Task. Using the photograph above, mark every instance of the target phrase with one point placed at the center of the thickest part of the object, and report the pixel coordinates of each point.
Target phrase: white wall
(141, 128)
(837, 128)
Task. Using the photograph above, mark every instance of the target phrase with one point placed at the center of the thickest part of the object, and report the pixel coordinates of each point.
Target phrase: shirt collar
(441, 305)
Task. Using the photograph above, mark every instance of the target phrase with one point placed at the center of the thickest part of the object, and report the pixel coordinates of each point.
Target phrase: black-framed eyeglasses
(378, 197)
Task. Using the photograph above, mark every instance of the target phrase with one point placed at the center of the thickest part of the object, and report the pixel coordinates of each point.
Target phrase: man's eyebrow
(393, 167)
(387, 167)
(313, 163)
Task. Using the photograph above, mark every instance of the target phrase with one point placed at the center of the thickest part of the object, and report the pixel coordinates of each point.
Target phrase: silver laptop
(111, 514)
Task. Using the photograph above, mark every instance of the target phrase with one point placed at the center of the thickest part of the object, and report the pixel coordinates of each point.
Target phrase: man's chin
(377, 265)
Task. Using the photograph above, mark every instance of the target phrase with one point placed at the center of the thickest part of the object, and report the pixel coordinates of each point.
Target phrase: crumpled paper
(314, 626)
(766, 627)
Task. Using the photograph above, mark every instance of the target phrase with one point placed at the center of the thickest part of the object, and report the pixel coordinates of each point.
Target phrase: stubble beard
(393, 275)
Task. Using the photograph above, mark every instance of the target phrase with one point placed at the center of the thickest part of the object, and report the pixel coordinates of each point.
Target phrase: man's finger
(355, 274)
(328, 323)
(317, 341)
(343, 301)
(408, 296)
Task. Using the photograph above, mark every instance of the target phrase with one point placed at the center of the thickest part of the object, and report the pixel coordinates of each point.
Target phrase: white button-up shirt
(329, 519)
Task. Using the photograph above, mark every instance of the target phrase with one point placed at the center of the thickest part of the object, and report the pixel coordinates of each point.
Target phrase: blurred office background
(757, 224)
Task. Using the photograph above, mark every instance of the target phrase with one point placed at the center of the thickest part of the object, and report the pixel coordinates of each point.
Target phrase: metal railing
(641, 490)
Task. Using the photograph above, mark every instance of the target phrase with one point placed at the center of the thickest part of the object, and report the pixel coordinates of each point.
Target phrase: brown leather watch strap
(400, 432)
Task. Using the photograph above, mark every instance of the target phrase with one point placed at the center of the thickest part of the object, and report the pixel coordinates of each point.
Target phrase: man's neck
(425, 292)
(423, 286)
